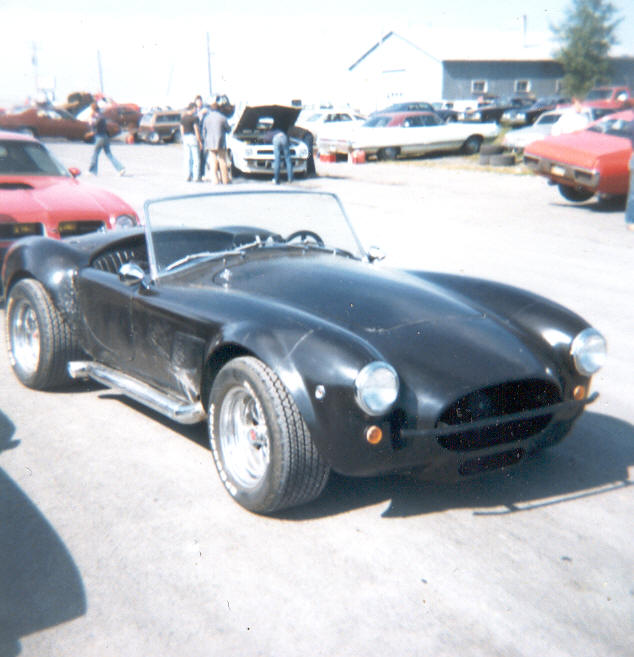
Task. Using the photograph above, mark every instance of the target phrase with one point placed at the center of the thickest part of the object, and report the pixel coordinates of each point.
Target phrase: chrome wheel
(244, 437)
(24, 330)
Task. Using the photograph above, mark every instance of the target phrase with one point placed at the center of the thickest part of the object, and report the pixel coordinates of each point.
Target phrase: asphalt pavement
(117, 539)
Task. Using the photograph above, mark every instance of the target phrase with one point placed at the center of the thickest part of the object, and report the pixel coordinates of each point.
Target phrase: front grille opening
(72, 228)
(495, 402)
(493, 462)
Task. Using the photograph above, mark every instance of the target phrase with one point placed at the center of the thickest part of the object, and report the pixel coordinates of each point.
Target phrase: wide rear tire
(39, 340)
(261, 445)
(574, 194)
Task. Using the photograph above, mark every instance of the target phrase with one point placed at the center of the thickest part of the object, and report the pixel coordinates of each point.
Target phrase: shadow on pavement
(40, 585)
(592, 460)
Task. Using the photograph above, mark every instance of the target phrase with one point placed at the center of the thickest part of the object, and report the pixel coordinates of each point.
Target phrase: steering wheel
(305, 235)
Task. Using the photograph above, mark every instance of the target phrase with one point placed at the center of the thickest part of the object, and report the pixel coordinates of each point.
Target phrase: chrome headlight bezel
(376, 388)
(588, 351)
(124, 221)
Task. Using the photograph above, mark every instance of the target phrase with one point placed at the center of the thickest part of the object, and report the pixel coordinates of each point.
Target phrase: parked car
(159, 126)
(408, 134)
(493, 110)
(333, 123)
(250, 143)
(520, 116)
(588, 162)
(49, 122)
(556, 122)
(41, 197)
(609, 97)
(261, 313)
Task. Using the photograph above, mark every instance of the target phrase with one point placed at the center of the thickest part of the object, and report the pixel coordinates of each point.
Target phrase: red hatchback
(38, 196)
(587, 162)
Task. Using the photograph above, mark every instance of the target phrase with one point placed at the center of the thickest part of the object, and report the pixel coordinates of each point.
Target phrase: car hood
(579, 148)
(41, 198)
(413, 323)
(283, 117)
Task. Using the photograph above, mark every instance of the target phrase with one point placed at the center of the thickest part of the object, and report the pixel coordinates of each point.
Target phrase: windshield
(599, 94)
(27, 158)
(615, 127)
(186, 230)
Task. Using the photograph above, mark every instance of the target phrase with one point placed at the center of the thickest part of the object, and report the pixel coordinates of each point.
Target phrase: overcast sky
(261, 50)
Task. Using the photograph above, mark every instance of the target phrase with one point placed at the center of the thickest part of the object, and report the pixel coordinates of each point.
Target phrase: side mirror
(130, 273)
(375, 254)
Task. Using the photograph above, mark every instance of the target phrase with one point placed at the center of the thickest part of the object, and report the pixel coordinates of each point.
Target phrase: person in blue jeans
(99, 127)
(281, 146)
(629, 206)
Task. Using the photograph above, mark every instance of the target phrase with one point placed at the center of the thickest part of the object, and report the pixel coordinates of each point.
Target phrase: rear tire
(39, 340)
(472, 145)
(261, 445)
(389, 153)
(574, 194)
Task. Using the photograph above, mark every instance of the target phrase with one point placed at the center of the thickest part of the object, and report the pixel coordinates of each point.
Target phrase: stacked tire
(494, 155)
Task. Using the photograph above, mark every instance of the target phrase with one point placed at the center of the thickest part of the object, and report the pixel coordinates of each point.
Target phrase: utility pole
(36, 82)
(209, 63)
(100, 72)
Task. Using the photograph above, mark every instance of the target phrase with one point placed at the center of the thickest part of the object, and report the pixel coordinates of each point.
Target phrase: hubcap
(25, 336)
(244, 437)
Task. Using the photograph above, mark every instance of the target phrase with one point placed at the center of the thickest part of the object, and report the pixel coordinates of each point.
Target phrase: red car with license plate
(588, 162)
(39, 196)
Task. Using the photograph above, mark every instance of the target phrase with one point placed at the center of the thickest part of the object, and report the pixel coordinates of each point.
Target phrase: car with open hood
(261, 314)
(250, 144)
(587, 162)
(39, 196)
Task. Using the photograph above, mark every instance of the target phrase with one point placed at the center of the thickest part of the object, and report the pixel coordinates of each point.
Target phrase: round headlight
(124, 221)
(376, 388)
(588, 351)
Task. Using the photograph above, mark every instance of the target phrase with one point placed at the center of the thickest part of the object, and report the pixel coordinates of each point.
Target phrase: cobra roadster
(261, 314)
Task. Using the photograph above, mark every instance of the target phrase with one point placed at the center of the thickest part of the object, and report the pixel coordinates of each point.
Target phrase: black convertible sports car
(261, 313)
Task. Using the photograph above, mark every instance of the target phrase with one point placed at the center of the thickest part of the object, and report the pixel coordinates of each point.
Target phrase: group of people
(203, 131)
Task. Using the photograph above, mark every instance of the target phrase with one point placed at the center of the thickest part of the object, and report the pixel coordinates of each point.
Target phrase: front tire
(472, 145)
(261, 445)
(39, 340)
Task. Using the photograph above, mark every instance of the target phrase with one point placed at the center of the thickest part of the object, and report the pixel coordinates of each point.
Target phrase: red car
(38, 196)
(588, 162)
(50, 122)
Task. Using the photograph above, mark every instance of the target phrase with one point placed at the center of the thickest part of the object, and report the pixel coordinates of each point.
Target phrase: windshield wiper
(214, 254)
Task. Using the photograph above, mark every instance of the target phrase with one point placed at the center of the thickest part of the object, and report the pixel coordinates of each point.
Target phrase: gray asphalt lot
(116, 537)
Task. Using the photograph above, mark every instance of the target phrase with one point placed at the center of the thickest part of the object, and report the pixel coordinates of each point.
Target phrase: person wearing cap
(192, 143)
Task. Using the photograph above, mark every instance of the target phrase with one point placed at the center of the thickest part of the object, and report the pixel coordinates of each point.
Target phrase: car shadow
(614, 205)
(592, 460)
(40, 585)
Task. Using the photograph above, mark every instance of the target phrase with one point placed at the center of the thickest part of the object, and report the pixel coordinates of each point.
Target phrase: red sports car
(38, 196)
(588, 162)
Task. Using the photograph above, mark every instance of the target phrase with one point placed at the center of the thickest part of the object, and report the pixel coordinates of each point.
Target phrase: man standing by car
(281, 146)
(99, 126)
(192, 143)
(215, 128)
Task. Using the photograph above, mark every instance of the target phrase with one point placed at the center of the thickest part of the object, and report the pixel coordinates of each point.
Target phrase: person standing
(281, 146)
(99, 126)
(215, 129)
(201, 113)
(192, 143)
(629, 204)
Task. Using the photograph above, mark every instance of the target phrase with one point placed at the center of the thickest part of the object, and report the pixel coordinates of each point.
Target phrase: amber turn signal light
(374, 435)
(579, 393)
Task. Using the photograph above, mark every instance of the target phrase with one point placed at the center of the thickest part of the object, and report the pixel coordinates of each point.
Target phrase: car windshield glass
(188, 230)
(614, 126)
(599, 94)
(22, 157)
(547, 119)
(377, 121)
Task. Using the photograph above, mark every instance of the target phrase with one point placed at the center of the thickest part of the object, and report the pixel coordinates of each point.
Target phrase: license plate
(558, 171)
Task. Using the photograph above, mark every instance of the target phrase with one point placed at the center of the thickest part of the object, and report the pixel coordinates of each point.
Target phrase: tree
(585, 36)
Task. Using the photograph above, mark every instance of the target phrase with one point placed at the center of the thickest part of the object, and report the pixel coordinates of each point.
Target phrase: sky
(156, 53)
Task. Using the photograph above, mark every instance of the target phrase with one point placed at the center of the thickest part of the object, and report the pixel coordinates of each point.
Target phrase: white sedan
(407, 134)
(332, 124)
(250, 144)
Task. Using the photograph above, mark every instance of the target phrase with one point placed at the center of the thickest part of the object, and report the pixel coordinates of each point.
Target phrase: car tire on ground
(491, 149)
(472, 145)
(388, 153)
(261, 446)
(39, 340)
(574, 194)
